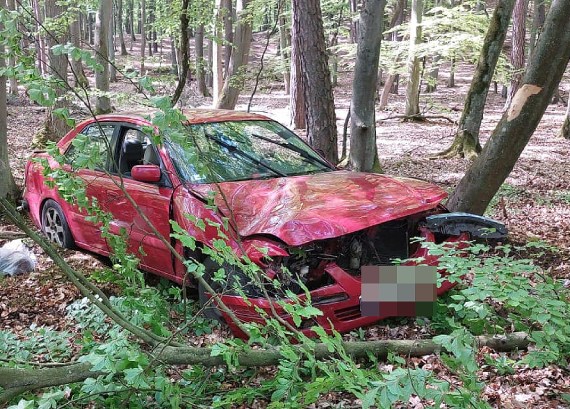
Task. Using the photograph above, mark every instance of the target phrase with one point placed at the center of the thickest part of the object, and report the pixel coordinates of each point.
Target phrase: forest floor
(534, 203)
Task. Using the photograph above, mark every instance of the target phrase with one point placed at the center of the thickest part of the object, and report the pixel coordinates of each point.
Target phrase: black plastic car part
(453, 224)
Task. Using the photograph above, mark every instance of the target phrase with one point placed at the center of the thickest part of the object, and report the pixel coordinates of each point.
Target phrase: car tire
(54, 225)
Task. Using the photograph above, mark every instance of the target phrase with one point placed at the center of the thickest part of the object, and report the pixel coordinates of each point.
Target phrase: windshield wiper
(288, 145)
(234, 149)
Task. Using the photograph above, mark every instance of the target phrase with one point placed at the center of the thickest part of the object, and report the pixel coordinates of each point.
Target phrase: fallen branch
(16, 381)
(418, 117)
(11, 235)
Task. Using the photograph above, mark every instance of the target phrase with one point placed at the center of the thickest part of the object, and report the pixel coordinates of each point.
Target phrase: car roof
(193, 116)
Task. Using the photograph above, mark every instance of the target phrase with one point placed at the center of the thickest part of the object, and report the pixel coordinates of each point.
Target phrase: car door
(144, 218)
(90, 158)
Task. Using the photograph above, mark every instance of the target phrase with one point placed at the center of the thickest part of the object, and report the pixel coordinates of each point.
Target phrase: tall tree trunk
(143, 34)
(103, 103)
(42, 54)
(466, 142)
(353, 22)
(413, 88)
(77, 65)
(235, 76)
(184, 47)
(392, 78)
(433, 75)
(565, 129)
(319, 98)
(56, 126)
(200, 62)
(363, 152)
(11, 59)
(111, 48)
(518, 48)
(121, 26)
(217, 52)
(7, 186)
(543, 74)
(210, 66)
(132, 22)
(228, 23)
(538, 16)
(284, 42)
(297, 99)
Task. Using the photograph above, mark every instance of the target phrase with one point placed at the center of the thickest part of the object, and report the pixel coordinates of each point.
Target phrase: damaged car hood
(300, 209)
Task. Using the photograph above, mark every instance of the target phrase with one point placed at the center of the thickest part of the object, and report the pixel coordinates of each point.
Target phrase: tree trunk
(200, 62)
(76, 65)
(120, 26)
(217, 50)
(227, 20)
(103, 103)
(111, 48)
(42, 54)
(363, 152)
(11, 59)
(143, 34)
(7, 186)
(235, 76)
(466, 142)
(353, 22)
(391, 82)
(55, 127)
(543, 74)
(518, 48)
(319, 98)
(451, 79)
(413, 88)
(538, 16)
(15, 381)
(433, 75)
(297, 100)
(184, 47)
(565, 129)
(284, 42)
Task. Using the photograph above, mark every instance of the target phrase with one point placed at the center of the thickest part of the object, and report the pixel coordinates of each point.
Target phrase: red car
(277, 193)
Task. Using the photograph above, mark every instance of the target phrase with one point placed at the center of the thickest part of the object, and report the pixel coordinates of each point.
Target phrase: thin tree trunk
(210, 68)
(228, 23)
(217, 52)
(11, 59)
(466, 142)
(103, 103)
(235, 77)
(353, 22)
(297, 99)
(538, 16)
(363, 152)
(565, 129)
(413, 88)
(319, 98)
(42, 55)
(391, 83)
(7, 185)
(184, 47)
(121, 27)
(200, 62)
(518, 48)
(433, 75)
(76, 65)
(111, 48)
(543, 74)
(143, 34)
(284, 43)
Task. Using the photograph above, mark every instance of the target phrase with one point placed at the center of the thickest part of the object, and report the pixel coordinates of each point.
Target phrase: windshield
(241, 150)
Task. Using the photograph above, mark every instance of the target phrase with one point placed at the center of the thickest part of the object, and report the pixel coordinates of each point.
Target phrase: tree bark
(200, 62)
(297, 100)
(319, 99)
(143, 34)
(7, 185)
(12, 59)
(235, 77)
(466, 142)
(227, 20)
(517, 57)
(538, 16)
(184, 57)
(284, 42)
(217, 52)
(76, 65)
(413, 88)
(120, 26)
(565, 129)
(353, 22)
(16, 381)
(103, 103)
(543, 74)
(392, 78)
(363, 152)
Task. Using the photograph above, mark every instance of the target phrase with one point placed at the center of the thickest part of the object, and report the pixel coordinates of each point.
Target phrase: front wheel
(54, 225)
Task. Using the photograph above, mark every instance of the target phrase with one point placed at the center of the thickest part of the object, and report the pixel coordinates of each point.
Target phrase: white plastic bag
(16, 258)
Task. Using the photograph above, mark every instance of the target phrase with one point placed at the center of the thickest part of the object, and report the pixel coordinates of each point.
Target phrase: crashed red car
(278, 194)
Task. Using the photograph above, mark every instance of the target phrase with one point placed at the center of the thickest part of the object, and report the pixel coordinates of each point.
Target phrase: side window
(92, 147)
(134, 148)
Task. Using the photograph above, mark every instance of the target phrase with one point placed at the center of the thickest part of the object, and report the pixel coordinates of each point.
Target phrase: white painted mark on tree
(520, 99)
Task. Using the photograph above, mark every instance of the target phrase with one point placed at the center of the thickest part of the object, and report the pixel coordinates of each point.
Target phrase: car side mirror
(146, 173)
